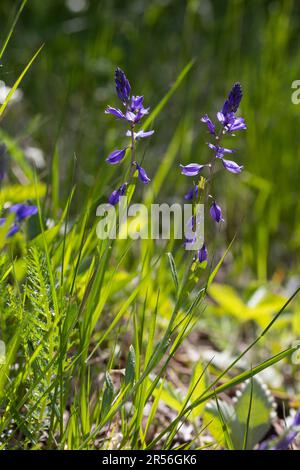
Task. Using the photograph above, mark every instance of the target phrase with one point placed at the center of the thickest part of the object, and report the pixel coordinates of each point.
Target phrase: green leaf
(130, 366)
(18, 81)
(166, 98)
(173, 270)
(107, 395)
(215, 271)
(198, 386)
(259, 421)
(11, 30)
(212, 419)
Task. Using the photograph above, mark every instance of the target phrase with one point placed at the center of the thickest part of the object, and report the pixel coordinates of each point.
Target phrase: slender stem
(132, 151)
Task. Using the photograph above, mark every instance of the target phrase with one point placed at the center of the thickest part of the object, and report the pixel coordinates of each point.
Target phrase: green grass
(107, 341)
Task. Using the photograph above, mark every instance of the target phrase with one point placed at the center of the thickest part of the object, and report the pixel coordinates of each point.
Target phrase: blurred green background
(65, 93)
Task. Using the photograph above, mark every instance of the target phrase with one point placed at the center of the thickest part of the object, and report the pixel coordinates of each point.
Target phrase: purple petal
(220, 151)
(210, 125)
(221, 117)
(14, 229)
(141, 113)
(140, 134)
(236, 125)
(122, 86)
(23, 211)
(136, 103)
(135, 118)
(216, 212)
(192, 169)
(115, 112)
(202, 254)
(142, 175)
(189, 196)
(116, 156)
(116, 194)
(130, 116)
(232, 166)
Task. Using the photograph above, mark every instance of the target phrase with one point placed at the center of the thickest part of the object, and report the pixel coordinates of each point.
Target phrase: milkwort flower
(21, 212)
(132, 113)
(286, 439)
(230, 123)
(116, 194)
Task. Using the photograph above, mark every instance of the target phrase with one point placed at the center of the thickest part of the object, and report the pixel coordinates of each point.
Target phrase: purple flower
(134, 118)
(140, 134)
(115, 112)
(23, 211)
(116, 194)
(231, 123)
(233, 101)
(232, 166)
(136, 103)
(13, 229)
(135, 110)
(202, 254)
(237, 124)
(116, 156)
(216, 212)
(291, 435)
(192, 169)
(122, 86)
(220, 151)
(210, 125)
(142, 175)
(287, 438)
(189, 196)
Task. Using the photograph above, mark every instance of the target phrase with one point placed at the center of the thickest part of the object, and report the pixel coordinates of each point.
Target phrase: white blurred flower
(77, 5)
(4, 90)
(35, 156)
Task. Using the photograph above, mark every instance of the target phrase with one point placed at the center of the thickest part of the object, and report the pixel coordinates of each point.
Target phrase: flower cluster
(229, 123)
(21, 212)
(132, 113)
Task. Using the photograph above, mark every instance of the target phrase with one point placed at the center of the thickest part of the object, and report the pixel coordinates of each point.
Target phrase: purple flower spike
(210, 125)
(140, 134)
(116, 194)
(192, 169)
(233, 101)
(189, 196)
(116, 156)
(232, 166)
(142, 175)
(23, 211)
(216, 212)
(202, 254)
(115, 112)
(122, 86)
